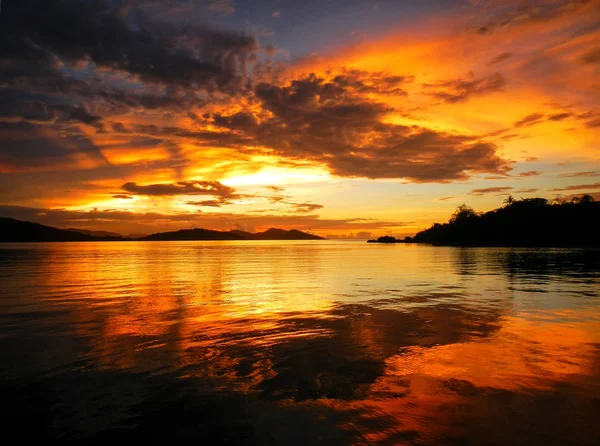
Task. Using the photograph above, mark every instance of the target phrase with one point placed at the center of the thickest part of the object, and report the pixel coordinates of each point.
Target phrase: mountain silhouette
(23, 231)
(236, 234)
(96, 233)
(193, 234)
(282, 234)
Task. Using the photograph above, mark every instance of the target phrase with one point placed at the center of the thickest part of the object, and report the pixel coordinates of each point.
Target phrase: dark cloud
(530, 120)
(523, 13)
(536, 118)
(119, 127)
(318, 119)
(579, 174)
(41, 33)
(123, 196)
(224, 7)
(558, 116)
(38, 108)
(525, 191)
(70, 63)
(27, 145)
(591, 56)
(445, 198)
(491, 190)
(500, 58)
(275, 188)
(496, 177)
(530, 173)
(182, 188)
(199, 137)
(362, 81)
(459, 90)
(78, 113)
(593, 123)
(577, 187)
(306, 207)
(134, 62)
(207, 203)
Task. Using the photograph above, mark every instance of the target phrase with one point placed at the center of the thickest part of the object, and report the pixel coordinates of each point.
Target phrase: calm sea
(321, 342)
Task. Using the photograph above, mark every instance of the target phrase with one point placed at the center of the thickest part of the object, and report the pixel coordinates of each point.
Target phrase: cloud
(306, 207)
(502, 15)
(445, 198)
(22, 106)
(459, 90)
(529, 120)
(558, 116)
(275, 188)
(206, 203)
(491, 190)
(40, 33)
(577, 187)
(123, 196)
(536, 118)
(27, 146)
(334, 121)
(224, 7)
(71, 64)
(530, 173)
(276, 14)
(500, 58)
(579, 174)
(593, 123)
(591, 57)
(525, 191)
(360, 81)
(182, 188)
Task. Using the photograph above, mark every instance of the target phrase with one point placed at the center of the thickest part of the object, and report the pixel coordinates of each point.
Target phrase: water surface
(320, 342)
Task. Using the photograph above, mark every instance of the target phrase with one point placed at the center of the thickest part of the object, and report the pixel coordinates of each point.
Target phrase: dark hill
(194, 234)
(95, 233)
(236, 234)
(245, 234)
(282, 234)
(23, 231)
(527, 222)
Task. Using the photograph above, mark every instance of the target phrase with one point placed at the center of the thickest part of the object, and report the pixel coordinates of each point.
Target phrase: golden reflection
(446, 382)
(305, 327)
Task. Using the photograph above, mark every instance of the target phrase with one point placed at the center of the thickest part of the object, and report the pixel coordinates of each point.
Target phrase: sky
(345, 118)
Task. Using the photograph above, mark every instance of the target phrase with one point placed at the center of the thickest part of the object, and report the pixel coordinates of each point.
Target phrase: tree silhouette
(463, 213)
(524, 222)
(509, 200)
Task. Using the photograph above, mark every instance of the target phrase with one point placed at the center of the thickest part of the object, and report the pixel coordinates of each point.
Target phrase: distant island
(534, 222)
(390, 239)
(23, 231)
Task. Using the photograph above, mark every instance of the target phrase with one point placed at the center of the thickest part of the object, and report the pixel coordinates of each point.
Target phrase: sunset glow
(376, 117)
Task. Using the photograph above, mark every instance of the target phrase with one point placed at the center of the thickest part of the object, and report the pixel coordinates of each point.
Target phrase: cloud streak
(577, 187)
(459, 90)
(491, 190)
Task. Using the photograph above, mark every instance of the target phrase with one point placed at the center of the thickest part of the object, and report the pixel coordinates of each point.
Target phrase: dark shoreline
(530, 222)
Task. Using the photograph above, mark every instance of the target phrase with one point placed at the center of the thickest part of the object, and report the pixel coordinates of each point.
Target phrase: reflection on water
(300, 343)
